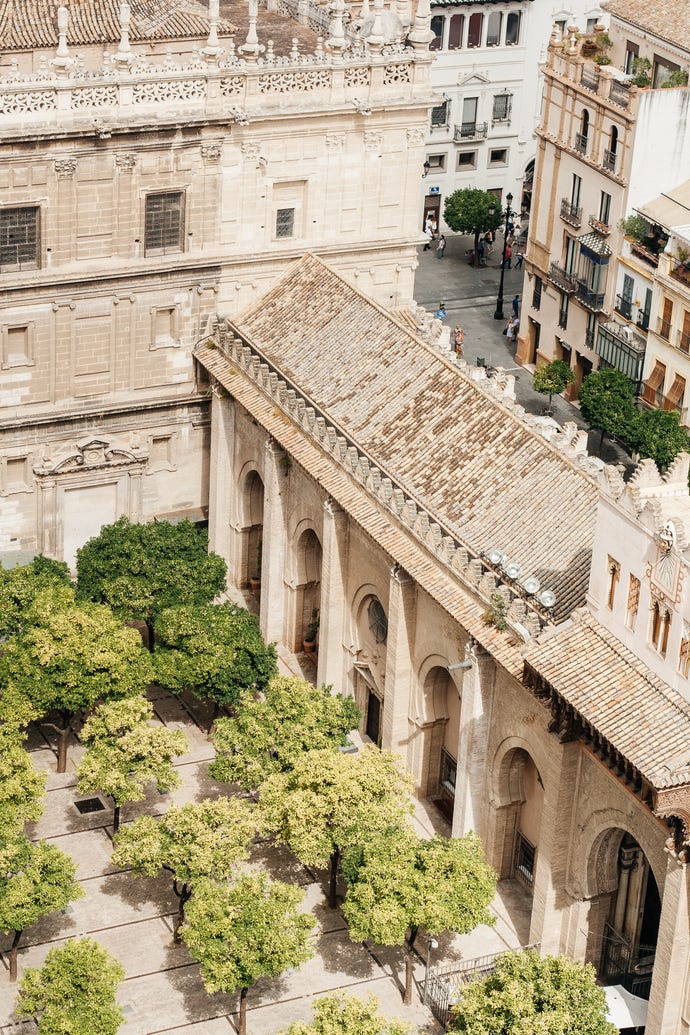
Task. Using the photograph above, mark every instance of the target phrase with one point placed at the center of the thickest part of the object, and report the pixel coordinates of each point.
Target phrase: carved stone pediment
(88, 455)
(673, 803)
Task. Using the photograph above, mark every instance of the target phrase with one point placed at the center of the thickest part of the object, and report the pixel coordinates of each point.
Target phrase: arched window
(457, 25)
(613, 142)
(493, 31)
(437, 24)
(474, 32)
(581, 137)
(513, 29)
(378, 622)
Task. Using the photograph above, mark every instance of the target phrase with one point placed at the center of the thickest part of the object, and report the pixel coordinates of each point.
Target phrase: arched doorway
(252, 530)
(370, 666)
(308, 586)
(522, 798)
(441, 710)
(624, 917)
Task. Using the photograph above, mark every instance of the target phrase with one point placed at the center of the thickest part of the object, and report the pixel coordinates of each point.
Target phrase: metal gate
(445, 982)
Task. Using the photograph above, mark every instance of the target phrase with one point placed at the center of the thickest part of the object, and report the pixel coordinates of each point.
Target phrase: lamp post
(431, 944)
(498, 315)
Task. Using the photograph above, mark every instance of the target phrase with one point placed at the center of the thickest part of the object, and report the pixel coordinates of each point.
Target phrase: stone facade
(144, 196)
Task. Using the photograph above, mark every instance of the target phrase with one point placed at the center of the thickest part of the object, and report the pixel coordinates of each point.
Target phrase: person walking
(512, 330)
(458, 339)
(429, 231)
(508, 260)
(521, 255)
(440, 247)
(516, 306)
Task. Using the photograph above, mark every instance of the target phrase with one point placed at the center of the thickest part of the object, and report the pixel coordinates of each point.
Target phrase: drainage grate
(89, 805)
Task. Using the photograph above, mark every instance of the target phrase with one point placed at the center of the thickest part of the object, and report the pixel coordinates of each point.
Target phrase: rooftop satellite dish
(531, 585)
(496, 557)
(513, 570)
(547, 598)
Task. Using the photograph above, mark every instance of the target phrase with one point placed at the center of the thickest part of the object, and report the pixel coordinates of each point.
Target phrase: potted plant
(309, 641)
(255, 580)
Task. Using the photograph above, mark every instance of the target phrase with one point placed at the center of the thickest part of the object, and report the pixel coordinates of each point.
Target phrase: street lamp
(431, 944)
(498, 315)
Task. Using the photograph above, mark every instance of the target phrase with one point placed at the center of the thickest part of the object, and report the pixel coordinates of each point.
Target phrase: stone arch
(251, 497)
(518, 796)
(369, 648)
(306, 584)
(588, 876)
(434, 720)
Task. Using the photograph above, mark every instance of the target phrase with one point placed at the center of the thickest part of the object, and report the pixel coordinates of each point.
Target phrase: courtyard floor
(132, 916)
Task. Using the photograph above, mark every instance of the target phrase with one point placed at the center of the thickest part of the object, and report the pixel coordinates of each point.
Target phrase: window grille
(19, 238)
(164, 230)
(285, 222)
(525, 857)
(503, 103)
(439, 115)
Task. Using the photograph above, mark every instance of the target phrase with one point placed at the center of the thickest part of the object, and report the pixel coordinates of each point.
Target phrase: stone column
(221, 491)
(276, 483)
(331, 661)
(399, 673)
(471, 793)
(669, 983)
(551, 900)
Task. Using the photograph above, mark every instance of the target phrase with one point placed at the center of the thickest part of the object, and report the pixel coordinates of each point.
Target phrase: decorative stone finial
(251, 48)
(336, 41)
(212, 51)
(421, 35)
(62, 61)
(123, 55)
(403, 12)
(376, 39)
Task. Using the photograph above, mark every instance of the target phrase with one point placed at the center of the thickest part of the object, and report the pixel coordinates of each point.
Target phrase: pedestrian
(429, 232)
(481, 261)
(440, 247)
(516, 306)
(458, 339)
(512, 330)
(440, 313)
(508, 257)
(488, 243)
(521, 255)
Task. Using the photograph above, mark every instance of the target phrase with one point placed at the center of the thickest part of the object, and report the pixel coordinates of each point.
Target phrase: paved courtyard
(132, 916)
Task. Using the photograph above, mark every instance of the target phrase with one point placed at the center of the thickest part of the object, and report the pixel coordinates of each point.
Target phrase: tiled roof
(613, 691)
(666, 19)
(475, 467)
(27, 24)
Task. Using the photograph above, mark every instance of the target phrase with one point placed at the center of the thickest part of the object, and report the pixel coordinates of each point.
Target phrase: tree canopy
(269, 734)
(74, 991)
(657, 434)
(330, 801)
(216, 651)
(249, 929)
(468, 211)
(552, 378)
(37, 878)
(68, 658)
(607, 402)
(124, 752)
(344, 1014)
(21, 785)
(398, 882)
(20, 586)
(528, 995)
(191, 842)
(139, 570)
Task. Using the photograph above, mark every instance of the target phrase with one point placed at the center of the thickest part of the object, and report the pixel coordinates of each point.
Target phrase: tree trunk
(333, 879)
(13, 955)
(116, 819)
(62, 749)
(476, 249)
(183, 897)
(601, 441)
(149, 630)
(243, 1011)
(214, 716)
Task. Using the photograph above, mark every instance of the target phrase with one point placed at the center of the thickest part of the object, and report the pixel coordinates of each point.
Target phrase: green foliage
(331, 801)
(69, 656)
(139, 570)
(268, 735)
(37, 878)
(124, 752)
(21, 786)
(20, 586)
(635, 227)
(641, 67)
(247, 930)
(208, 839)
(657, 434)
(607, 401)
(467, 211)
(216, 651)
(344, 1014)
(552, 378)
(496, 614)
(313, 627)
(528, 995)
(74, 991)
(677, 78)
(399, 882)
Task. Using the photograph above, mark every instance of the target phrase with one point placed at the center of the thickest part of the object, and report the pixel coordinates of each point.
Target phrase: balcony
(563, 280)
(609, 160)
(470, 131)
(664, 330)
(571, 213)
(581, 143)
(620, 347)
(599, 226)
(589, 338)
(590, 78)
(644, 253)
(624, 307)
(619, 94)
(684, 341)
(592, 300)
(681, 272)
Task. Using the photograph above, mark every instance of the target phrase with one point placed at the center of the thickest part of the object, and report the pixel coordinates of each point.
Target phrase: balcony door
(469, 114)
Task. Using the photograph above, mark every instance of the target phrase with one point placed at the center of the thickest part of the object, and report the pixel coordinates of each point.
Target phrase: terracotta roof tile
(474, 466)
(666, 19)
(644, 718)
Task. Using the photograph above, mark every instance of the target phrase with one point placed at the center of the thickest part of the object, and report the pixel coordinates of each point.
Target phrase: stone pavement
(470, 296)
(132, 915)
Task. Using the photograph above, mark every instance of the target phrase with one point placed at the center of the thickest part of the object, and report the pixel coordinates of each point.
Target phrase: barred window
(503, 103)
(439, 115)
(164, 230)
(614, 570)
(19, 238)
(285, 222)
(633, 601)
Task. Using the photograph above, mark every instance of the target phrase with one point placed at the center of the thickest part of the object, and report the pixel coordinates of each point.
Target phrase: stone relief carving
(415, 136)
(373, 140)
(335, 141)
(251, 150)
(211, 153)
(232, 85)
(125, 161)
(94, 96)
(169, 90)
(65, 168)
(356, 76)
(396, 74)
(32, 100)
(89, 455)
(294, 82)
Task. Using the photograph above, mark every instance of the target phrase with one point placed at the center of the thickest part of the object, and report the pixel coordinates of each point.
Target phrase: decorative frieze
(65, 168)
(211, 153)
(125, 161)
